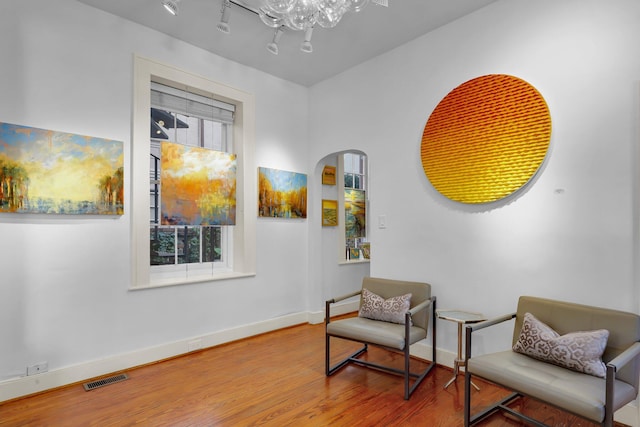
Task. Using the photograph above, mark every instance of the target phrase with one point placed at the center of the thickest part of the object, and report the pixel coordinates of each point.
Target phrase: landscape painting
(49, 172)
(329, 212)
(198, 186)
(355, 213)
(282, 194)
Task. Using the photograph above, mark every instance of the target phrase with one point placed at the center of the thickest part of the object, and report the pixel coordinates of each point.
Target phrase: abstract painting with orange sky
(198, 186)
(44, 171)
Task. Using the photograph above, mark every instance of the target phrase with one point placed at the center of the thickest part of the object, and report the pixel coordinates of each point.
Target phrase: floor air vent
(105, 381)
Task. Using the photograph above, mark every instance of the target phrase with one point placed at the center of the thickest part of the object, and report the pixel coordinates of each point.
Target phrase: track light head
(171, 6)
(273, 46)
(306, 44)
(223, 25)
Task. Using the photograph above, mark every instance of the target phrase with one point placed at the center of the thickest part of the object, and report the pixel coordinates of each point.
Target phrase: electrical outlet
(38, 368)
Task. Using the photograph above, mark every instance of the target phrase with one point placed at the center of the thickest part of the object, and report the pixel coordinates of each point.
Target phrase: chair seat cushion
(375, 332)
(576, 392)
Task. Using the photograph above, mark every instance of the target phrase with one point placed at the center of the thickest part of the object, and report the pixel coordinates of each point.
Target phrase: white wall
(577, 243)
(68, 67)
(64, 282)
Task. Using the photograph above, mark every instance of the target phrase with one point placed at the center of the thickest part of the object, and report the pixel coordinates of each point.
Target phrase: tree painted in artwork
(112, 188)
(266, 196)
(14, 185)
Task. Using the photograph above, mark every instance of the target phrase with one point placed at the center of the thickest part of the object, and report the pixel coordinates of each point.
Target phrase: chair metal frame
(406, 372)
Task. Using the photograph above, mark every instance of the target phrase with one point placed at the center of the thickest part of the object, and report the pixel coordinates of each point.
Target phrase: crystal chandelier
(303, 15)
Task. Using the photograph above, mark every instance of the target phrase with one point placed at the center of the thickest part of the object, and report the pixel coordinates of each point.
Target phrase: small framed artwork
(365, 248)
(329, 213)
(329, 175)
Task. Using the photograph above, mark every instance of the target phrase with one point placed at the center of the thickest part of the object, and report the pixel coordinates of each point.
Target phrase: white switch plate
(382, 221)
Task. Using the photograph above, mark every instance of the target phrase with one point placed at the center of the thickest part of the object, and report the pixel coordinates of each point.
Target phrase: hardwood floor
(275, 379)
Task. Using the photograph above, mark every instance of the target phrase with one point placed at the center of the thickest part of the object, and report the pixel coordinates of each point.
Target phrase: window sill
(354, 261)
(186, 281)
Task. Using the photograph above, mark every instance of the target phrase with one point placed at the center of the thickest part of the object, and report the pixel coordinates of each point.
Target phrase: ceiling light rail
(296, 15)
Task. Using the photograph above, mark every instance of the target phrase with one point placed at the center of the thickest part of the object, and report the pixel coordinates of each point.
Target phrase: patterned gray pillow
(389, 310)
(578, 351)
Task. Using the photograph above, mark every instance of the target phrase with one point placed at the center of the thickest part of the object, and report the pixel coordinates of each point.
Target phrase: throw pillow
(389, 310)
(578, 351)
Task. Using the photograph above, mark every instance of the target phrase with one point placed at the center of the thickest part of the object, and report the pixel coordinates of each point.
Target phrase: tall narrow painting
(282, 194)
(198, 186)
(355, 213)
(48, 172)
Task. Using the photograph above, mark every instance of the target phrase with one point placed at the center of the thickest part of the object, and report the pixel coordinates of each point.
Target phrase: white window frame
(244, 232)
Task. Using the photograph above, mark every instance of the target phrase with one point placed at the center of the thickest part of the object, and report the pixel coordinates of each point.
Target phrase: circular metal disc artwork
(486, 139)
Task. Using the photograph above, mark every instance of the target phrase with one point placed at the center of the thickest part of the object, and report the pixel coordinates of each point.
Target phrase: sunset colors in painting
(44, 171)
(198, 186)
(486, 139)
(282, 194)
(355, 213)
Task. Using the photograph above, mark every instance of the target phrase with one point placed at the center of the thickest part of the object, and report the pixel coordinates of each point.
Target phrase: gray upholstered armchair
(393, 314)
(582, 359)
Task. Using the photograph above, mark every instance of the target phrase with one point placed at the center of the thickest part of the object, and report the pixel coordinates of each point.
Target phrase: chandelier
(296, 15)
(303, 15)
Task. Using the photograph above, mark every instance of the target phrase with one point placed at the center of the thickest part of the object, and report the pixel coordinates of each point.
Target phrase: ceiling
(357, 38)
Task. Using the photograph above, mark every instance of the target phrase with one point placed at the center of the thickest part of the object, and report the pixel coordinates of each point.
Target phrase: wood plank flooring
(275, 379)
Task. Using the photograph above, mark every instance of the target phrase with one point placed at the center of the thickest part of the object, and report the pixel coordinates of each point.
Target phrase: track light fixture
(306, 44)
(171, 6)
(273, 46)
(223, 25)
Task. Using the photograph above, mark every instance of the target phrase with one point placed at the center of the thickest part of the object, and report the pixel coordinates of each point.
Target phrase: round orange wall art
(486, 139)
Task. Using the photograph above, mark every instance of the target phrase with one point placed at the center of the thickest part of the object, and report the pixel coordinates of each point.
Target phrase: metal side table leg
(459, 361)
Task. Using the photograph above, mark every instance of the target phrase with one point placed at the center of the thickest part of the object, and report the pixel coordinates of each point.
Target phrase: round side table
(461, 317)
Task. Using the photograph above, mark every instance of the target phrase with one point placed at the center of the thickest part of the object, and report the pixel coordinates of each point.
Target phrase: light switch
(382, 221)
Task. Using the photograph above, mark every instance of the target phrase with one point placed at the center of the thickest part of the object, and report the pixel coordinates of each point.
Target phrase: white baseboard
(26, 385)
(628, 415)
(340, 308)
(337, 309)
(422, 350)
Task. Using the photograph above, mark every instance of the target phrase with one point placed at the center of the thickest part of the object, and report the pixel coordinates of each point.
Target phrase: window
(195, 112)
(354, 171)
(354, 168)
(189, 119)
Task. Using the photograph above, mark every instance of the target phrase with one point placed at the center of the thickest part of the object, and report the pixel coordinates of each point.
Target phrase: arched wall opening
(331, 275)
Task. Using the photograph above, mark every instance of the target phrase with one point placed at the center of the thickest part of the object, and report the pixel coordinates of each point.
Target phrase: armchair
(563, 371)
(402, 326)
